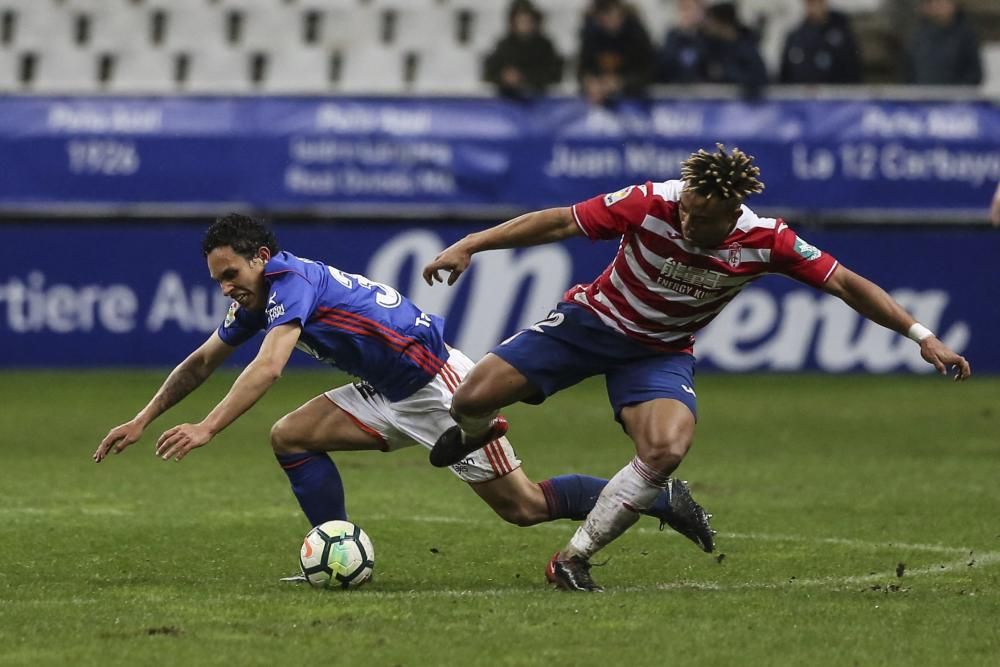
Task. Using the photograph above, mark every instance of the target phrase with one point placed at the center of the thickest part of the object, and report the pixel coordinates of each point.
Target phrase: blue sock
(316, 484)
(573, 496)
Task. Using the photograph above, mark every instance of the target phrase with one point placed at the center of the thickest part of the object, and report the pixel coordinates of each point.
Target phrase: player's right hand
(455, 259)
(118, 439)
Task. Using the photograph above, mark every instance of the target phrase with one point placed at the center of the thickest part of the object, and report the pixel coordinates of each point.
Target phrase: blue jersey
(362, 327)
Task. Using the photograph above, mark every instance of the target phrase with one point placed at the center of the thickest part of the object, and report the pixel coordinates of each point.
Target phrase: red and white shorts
(420, 419)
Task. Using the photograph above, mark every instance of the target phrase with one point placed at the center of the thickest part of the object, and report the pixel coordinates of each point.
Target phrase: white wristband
(919, 332)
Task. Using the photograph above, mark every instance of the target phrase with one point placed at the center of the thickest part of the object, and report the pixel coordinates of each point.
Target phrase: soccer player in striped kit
(407, 375)
(687, 247)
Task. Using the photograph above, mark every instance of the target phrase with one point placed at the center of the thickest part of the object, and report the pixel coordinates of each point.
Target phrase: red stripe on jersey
(413, 352)
(410, 347)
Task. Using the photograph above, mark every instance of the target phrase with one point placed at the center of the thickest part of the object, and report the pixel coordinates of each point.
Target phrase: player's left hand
(941, 357)
(178, 441)
(454, 259)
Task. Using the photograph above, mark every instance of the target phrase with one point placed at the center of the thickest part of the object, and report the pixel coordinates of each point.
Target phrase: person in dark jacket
(944, 49)
(617, 58)
(524, 63)
(822, 49)
(731, 53)
(682, 57)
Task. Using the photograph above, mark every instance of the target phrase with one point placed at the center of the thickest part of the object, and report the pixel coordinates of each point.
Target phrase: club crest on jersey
(805, 250)
(735, 254)
(231, 315)
(613, 197)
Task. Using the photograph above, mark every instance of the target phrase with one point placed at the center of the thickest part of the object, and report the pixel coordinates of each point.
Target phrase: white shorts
(420, 419)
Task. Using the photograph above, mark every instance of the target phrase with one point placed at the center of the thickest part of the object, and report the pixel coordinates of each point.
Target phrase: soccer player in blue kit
(406, 377)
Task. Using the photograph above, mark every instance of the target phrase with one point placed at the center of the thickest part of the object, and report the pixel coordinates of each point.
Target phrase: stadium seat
(374, 69)
(991, 69)
(420, 28)
(147, 71)
(191, 24)
(40, 25)
(65, 69)
(350, 28)
(485, 25)
(115, 25)
(447, 71)
(301, 70)
(270, 27)
(218, 70)
(10, 65)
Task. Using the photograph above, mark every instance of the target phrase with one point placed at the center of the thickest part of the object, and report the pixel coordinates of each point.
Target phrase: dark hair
(726, 175)
(518, 6)
(245, 235)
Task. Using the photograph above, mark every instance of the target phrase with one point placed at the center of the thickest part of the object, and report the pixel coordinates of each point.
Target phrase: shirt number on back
(386, 297)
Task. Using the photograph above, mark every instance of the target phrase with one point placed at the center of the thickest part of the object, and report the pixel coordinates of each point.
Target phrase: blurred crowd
(709, 43)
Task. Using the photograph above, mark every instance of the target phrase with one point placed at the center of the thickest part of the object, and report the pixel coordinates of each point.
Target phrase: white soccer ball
(337, 554)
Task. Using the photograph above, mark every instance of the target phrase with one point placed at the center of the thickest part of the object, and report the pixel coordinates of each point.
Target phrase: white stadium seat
(374, 69)
(448, 71)
(353, 28)
(190, 26)
(276, 26)
(302, 70)
(218, 70)
(420, 28)
(41, 24)
(65, 69)
(147, 71)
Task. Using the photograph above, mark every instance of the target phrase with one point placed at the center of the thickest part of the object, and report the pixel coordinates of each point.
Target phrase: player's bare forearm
(868, 299)
(185, 378)
(535, 228)
(252, 383)
(256, 378)
(875, 303)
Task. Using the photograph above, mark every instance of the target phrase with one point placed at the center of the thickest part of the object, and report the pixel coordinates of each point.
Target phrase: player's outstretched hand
(118, 439)
(941, 357)
(455, 259)
(178, 441)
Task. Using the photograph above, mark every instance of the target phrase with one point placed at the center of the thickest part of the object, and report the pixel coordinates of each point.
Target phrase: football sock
(316, 484)
(573, 496)
(633, 489)
(474, 426)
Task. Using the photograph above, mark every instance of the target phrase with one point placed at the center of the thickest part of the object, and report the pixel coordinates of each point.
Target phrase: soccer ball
(337, 554)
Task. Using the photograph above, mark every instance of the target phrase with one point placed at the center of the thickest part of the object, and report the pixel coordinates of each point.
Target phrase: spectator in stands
(822, 49)
(682, 58)
(524, 62)
(944, 49)
(731, 53)
(617, 58)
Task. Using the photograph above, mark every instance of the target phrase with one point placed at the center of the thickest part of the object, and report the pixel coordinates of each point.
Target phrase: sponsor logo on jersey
(275, 311)
(271, 300)
(689, 280)
(806, 251)
(613, 197)
(231, 314)
(735, 254)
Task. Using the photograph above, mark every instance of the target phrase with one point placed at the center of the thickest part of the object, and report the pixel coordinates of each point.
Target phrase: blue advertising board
(140, 295)
(923, 159)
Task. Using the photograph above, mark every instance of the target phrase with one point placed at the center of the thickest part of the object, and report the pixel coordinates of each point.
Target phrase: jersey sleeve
(292, 298)
(794, 257)
(611, 215)
(239, 326)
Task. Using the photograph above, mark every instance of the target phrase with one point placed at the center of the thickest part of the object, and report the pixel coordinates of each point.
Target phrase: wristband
(918, 332)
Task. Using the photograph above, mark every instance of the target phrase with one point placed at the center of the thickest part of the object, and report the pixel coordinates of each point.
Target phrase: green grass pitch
(858, 520)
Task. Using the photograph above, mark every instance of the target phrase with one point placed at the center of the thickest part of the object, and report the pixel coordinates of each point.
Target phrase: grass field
(858, 520)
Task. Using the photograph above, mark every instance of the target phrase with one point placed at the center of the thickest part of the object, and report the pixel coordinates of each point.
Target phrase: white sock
(632, 489)
(474, 426)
